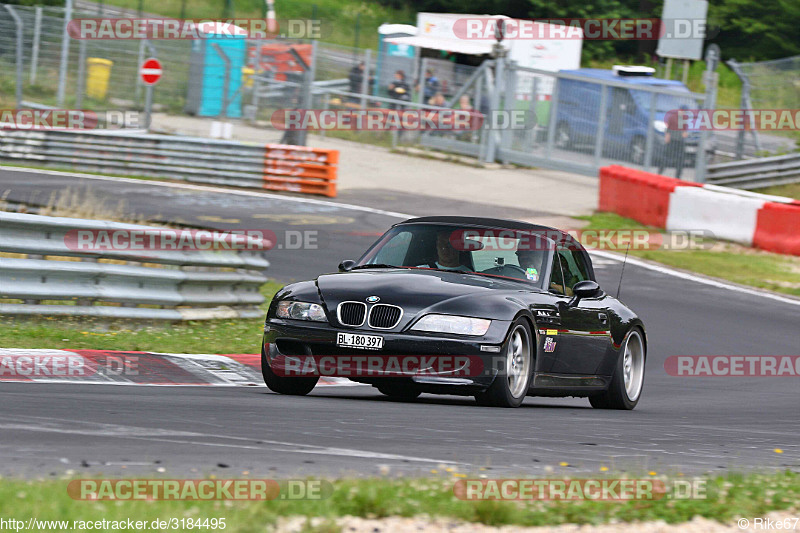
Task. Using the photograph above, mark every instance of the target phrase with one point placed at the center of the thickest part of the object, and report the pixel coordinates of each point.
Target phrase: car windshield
(514, 254)
(665, 102)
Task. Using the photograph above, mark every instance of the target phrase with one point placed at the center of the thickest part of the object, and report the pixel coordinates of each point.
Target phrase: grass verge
(208, 336)
(728, 261)
(726, 499)
(790, 191)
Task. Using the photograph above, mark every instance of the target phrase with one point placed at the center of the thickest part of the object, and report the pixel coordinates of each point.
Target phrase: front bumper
(286, 338)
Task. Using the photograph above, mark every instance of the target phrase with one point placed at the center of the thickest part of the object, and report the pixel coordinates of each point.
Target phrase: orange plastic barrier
(278, 59)
(636, 194)
(778, 228)
(300, 169)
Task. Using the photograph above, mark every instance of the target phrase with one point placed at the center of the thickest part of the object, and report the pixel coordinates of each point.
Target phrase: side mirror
(584, 289)
(346, 265)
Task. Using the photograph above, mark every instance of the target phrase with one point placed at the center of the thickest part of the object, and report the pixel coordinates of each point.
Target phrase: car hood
(420, 291)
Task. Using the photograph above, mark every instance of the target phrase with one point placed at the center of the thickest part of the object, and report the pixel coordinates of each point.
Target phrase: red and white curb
(111, 367)
(752, 219)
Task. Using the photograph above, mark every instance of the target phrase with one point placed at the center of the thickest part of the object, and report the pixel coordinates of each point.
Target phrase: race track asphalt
(682, 425)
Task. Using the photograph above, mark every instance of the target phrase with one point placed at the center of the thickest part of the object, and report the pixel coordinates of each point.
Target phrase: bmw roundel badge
(373, 299)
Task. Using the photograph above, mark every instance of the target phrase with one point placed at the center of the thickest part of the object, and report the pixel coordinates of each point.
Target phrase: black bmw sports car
(494, 309)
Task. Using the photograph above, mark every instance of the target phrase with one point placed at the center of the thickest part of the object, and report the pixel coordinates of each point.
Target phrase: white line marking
(204, 188)
(698, 279)
(37, 351)
(59, 381)
(345, 452)
(162, 435)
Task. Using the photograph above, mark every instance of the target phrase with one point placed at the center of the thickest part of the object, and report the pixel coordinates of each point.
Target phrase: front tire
(510, 386)
(285, 385)
(626, 385)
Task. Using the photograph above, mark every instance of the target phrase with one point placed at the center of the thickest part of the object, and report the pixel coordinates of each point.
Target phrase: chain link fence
(774, 84)
(104, 74)
(771, 84)
(86, 85)
(575, 123)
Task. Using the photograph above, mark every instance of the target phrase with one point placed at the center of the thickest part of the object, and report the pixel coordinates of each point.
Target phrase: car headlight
(660, 126)
(457, 325)
(300, 311)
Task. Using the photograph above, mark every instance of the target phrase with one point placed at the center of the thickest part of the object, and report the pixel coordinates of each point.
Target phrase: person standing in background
(674, 145)
(356, 78)
(431, 85)
(399, 89)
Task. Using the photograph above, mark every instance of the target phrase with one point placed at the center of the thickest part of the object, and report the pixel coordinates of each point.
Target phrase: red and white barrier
(768, 222)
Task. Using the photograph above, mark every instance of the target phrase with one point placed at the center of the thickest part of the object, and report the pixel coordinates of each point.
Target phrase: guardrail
(756, 173)
(278, 167)
(41, 264)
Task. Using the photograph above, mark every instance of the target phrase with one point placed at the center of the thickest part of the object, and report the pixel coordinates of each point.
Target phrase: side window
(573, 266)
(557, 276)
(580, 261)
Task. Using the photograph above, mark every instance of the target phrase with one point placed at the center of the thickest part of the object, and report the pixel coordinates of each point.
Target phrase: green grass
(791, 191)
(727, 498)
(764, 270)
(208, 336)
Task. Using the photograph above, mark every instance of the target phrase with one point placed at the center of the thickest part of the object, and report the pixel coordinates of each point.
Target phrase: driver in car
(448, 258)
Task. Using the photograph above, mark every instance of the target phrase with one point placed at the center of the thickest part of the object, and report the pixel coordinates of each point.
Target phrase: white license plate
(354, 340)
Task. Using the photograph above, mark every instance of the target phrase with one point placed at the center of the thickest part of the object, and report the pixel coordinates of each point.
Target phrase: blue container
(207, 75)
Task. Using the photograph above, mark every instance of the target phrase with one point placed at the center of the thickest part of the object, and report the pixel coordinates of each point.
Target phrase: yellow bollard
(247, 76)
(97, 77)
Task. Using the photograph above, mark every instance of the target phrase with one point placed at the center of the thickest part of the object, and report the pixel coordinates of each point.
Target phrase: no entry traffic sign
(150, 71)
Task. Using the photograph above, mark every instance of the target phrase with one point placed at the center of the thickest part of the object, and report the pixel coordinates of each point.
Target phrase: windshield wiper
(376, 265)
(453, 270)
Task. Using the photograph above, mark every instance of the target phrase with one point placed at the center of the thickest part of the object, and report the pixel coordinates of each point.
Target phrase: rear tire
(510, 386)
(285, 385)
(626, 385)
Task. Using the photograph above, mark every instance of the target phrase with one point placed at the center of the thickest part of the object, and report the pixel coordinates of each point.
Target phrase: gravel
(350, 524)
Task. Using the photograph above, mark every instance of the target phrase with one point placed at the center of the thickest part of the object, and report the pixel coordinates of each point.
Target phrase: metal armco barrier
(756, 173)
(276, 167)
(38, 266)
